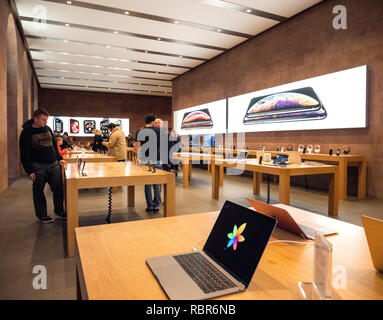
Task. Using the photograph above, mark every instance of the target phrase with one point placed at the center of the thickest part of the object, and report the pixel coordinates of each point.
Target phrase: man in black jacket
(41, 161)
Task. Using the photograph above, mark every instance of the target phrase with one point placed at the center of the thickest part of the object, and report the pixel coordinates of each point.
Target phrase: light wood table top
(112, 174)
(195, 156)
(111, 259)
(81, 150)
(291, 169)
(89, 157)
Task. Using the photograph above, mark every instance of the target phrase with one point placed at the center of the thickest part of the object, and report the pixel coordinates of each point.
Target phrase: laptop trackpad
(174, 279)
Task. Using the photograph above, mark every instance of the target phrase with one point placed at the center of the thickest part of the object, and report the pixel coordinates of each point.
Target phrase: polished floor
(25, 243)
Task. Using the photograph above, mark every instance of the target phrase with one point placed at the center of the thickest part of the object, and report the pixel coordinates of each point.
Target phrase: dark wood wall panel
(302, 47)
(99, 104)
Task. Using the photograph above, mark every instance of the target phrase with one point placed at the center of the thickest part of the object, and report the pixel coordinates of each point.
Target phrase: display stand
(320, 288)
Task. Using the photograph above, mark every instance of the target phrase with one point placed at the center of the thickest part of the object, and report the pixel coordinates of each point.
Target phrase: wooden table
(111, 258)
(89, 158)
(284, 174)
(112, 174)
(343, 161)
(187, 159)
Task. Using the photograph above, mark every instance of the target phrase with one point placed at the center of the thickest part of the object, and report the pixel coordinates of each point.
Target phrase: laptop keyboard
(204, 274)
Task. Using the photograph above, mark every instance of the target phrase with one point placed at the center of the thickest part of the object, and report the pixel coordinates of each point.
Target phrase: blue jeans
(156, 201)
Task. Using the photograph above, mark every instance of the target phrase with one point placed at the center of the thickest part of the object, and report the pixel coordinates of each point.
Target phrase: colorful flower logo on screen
(236, 236)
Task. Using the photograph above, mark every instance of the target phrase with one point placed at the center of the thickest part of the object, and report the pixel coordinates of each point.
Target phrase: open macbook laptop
(374, 234)
(286, 221)
(226, 263)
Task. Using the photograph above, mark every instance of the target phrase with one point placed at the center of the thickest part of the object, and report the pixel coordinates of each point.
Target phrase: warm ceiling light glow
(176, 21)
(248, 10)
(66, 41)
(146, 51)
(108, 46)
(159, 39)
(69, 2)
(126, 12)
(67, 24)
(180, 56)
(219, 30)
(115, 32)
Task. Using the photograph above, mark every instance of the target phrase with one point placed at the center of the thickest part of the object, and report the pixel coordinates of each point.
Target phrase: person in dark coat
(42, 163)
(97, 145)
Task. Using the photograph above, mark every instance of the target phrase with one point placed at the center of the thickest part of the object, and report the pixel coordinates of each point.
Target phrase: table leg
(362, 179)
(284, 188)
(190, 169)
(257, 177)
(342, 179)
(72, 214)
(215, 173)
(333, 192)
(185, 173)
(209, 167)
(131, 193)
(221, 173)
(170, 197)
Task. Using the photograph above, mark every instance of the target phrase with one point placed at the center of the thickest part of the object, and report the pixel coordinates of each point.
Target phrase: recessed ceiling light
(180, 56)
(219, 30)
(69, 2)
(146, 51)
(108, 46)
(67, 25)
(115, 32)
(66, 41)
(126, 12)
(248, 10)
(159, 39)
(176, 21)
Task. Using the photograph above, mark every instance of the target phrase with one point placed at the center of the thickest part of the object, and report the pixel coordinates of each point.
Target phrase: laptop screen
(238, 239)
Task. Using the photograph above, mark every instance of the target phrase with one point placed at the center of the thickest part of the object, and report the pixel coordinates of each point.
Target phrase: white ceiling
(94, 45)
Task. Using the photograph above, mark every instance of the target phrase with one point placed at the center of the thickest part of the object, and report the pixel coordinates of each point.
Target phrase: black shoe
(61, 217)
(46, 219)
(149, 210)
(156, 210)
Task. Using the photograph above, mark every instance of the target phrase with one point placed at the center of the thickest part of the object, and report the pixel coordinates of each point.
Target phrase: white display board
(332, 101)
(75, 126)
(209, 118)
